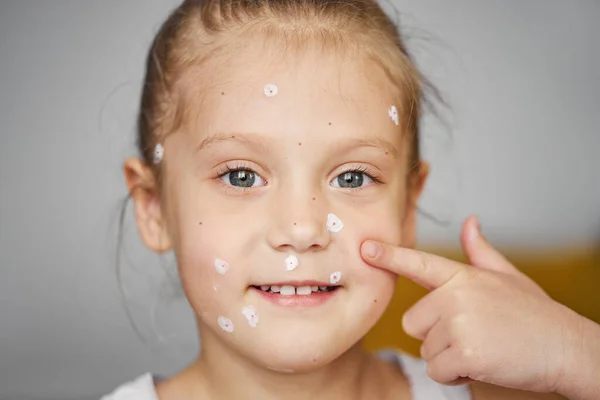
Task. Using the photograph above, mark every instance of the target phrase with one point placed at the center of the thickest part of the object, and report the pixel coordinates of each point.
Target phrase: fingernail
(371, 249)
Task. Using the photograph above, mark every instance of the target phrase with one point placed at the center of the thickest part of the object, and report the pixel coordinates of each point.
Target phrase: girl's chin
(301, 364)
(300, 356)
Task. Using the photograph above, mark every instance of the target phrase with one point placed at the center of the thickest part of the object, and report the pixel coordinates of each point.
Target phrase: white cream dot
(221, 266)
(159, 151)
(225, 324)
(271, 90)
(393, 113)
(335, 277)
(250, 313)
(291, 262)
(334, 224)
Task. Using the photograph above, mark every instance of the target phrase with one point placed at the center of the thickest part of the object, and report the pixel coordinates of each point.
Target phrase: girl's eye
(351, 180)
(242, 178)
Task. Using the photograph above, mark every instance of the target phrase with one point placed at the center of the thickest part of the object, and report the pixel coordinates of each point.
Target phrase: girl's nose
(299, 225)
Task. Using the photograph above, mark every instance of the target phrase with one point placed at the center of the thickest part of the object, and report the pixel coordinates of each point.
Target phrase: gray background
(519, 147)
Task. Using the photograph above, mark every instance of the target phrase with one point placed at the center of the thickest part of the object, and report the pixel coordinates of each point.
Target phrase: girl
(276, 137)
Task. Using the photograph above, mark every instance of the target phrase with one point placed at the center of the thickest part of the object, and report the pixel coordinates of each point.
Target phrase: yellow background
(571, 277)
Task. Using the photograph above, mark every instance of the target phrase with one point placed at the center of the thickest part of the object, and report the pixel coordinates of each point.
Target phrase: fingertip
(409, 329)
(371, 249)
(404, 323)
(476, 223)
(472, 229)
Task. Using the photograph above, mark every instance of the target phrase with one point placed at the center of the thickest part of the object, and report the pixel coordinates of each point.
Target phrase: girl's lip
(312, 300)
(296, 283)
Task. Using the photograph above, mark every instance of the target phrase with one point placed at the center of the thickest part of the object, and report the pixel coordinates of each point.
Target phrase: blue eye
(351, 180)
(243, 178)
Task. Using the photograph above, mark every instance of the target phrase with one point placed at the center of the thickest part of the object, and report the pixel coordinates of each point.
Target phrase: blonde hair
(197, 29)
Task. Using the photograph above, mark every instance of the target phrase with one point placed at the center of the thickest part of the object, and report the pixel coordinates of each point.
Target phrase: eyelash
(363, 170)
(239, 166)
(227, 169)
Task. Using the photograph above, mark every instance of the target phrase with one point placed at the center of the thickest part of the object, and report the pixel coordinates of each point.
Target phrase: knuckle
(466, 353)
(459, 324)
(425, 263)
(461, 299)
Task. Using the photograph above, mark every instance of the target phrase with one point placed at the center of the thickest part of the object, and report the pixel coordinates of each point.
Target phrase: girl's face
(257, 187)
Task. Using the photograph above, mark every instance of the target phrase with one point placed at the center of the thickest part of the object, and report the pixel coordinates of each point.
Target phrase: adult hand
(486, 321)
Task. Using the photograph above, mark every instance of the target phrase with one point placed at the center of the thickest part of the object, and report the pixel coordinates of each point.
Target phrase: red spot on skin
(200, 223)
(330, 124)
(222, 93)
(386, 153)
(299, 143)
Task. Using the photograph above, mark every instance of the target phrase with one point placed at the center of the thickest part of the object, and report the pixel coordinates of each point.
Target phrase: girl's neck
(219, 373)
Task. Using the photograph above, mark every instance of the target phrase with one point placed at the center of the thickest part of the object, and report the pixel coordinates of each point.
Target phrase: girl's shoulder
(415, 370)
(422, 386)
(142, 388)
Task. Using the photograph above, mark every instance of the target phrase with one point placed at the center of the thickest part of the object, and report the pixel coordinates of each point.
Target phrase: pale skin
(327, 118)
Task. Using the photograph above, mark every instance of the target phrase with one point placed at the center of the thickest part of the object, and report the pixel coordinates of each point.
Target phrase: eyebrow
(377, 143)
(251, 140)
(260, 143)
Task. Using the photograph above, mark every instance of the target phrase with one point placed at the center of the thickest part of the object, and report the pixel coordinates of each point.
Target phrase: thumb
(480, 252)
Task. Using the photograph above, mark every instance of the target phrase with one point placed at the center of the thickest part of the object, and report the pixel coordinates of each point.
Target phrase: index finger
(428, 270)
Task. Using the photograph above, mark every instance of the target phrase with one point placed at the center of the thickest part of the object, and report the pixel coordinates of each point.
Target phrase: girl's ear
(415, 185)
(149, 217)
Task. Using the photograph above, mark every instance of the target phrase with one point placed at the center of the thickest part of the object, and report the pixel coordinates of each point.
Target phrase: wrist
(580, 378)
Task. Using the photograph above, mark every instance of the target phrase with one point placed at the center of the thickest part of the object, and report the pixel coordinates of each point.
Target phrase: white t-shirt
(415, 369)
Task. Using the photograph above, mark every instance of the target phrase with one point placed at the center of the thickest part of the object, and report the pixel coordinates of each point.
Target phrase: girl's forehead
(303, 95)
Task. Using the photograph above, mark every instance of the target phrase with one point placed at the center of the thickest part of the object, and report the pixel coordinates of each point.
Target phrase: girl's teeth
(304, 290)
(287, 290)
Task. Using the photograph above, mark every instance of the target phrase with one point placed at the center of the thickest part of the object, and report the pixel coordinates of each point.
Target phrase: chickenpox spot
(221, 266)
(334, 224)
(250, 313)
(157, 156)
(225, 324)
(393, 113)
(291, 262)
(335, 277)
(271, 90)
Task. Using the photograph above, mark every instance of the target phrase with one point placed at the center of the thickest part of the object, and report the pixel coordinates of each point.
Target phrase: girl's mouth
(291, 290)
(297, 294)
